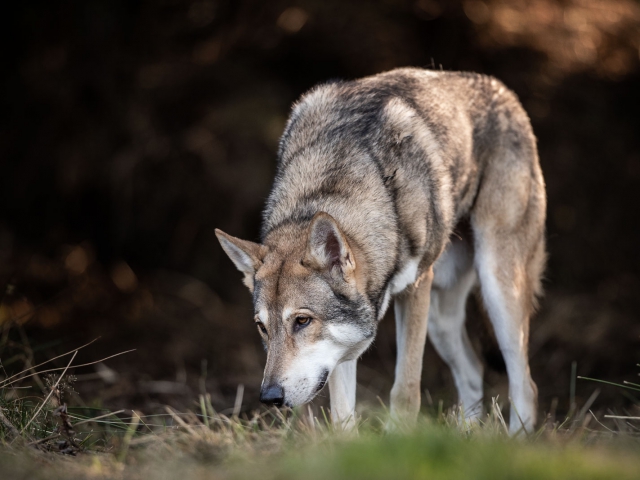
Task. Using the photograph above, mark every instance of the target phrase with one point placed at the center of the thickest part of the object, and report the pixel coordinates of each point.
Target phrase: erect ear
(247, 256)
(328, 249)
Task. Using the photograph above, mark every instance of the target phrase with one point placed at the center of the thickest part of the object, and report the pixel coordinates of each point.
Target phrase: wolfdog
(412, 185)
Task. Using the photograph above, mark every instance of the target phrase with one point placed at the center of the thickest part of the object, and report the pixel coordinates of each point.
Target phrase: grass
(271, 446)
(42, 438)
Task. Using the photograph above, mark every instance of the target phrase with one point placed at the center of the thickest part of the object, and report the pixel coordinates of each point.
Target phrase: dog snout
(272, 394)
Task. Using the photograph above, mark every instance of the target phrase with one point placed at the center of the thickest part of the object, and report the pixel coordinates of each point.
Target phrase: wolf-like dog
(414, 186)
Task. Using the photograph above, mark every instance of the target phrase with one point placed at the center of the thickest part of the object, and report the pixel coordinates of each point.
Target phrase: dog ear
(328, 249)
(247, 256)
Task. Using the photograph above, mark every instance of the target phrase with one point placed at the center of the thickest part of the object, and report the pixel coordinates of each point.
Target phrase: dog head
(308, 287)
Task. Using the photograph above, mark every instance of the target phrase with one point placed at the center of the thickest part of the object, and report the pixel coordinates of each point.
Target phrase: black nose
(272, 395)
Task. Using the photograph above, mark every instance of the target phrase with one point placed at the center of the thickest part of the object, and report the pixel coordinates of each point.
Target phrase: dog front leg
(412, 313)
(342, 395)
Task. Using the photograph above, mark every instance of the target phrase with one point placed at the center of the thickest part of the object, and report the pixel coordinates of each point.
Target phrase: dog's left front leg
(412, 313)
(342, 395)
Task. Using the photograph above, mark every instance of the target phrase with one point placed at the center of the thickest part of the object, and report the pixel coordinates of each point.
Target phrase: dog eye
(261, 327)
(301, 322)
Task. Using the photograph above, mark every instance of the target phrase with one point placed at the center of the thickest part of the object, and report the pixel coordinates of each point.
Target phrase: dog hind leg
(508, 226)
(511, 324)
(449, 337)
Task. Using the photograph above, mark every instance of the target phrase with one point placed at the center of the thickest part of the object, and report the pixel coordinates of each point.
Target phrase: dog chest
(406, 276)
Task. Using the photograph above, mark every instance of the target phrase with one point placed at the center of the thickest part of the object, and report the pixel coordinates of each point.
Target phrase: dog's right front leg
(342, 395)
(412, 313)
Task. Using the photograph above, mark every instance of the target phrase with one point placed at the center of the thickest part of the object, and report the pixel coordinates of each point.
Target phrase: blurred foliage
(129, 130)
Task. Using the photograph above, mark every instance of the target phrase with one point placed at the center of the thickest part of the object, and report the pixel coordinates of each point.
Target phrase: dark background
(129, 130)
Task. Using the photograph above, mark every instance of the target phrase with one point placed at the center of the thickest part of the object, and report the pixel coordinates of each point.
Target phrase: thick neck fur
(324, 181)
